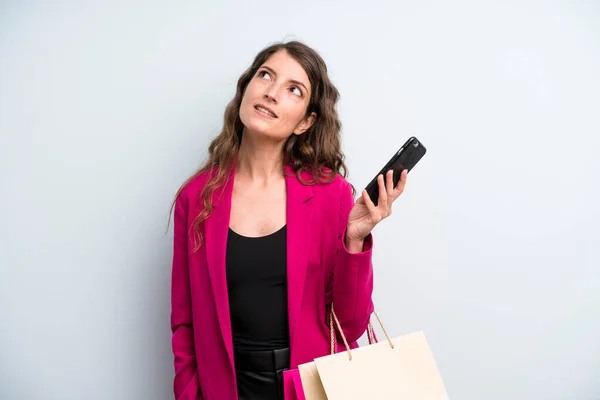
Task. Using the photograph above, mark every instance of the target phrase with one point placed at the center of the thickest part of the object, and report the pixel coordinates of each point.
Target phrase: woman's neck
(260, 161)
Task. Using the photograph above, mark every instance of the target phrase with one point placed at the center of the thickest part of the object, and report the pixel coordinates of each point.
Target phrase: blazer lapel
(215, 240)
(299, 218)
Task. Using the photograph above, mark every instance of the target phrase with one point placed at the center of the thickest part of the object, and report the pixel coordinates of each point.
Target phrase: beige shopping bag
(399, 368)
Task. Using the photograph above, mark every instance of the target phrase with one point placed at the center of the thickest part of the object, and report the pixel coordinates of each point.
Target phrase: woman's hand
(365, 215)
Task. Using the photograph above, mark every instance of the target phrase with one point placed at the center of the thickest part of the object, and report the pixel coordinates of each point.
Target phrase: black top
(257, 287)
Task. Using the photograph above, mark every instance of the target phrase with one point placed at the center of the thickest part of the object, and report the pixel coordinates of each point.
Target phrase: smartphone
(405, 158)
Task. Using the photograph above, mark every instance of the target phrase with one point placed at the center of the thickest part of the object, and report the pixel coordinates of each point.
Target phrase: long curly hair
(317, 151)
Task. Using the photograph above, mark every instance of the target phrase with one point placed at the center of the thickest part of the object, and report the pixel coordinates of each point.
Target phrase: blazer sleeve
(352, 281)
(186, 384)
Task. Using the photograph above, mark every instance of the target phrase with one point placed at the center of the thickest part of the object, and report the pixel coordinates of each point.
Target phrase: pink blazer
(320, 271)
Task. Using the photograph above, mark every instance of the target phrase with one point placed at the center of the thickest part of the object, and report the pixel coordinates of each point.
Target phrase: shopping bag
(292, 385)
(399, 368)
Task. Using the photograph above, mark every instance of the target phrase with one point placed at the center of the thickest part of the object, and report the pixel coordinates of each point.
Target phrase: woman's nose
(272, 93)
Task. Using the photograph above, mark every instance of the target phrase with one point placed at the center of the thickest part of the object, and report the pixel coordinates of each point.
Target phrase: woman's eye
(296, 91)
(264, 74)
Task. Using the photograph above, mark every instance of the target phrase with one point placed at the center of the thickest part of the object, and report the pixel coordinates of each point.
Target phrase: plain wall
(493, 250)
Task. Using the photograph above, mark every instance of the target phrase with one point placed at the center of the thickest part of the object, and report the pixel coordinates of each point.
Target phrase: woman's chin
(259, 130)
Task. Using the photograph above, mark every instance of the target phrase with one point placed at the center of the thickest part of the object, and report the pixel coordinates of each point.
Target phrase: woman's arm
(353, 272)
(186, 385)
(352, 282)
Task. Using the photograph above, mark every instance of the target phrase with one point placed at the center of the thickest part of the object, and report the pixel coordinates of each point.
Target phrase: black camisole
(257, 290)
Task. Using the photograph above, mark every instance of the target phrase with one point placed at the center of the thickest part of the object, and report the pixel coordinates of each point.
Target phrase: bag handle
(370, 332)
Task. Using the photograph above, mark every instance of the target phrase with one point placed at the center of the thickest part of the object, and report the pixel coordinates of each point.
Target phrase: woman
(268, 236)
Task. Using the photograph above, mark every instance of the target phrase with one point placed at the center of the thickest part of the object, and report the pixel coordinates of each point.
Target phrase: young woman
(268, 236)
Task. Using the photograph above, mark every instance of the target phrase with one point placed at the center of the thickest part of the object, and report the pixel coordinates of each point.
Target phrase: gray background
(493, 250)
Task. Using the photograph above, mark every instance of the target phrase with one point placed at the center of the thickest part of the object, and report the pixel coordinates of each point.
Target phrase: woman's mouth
(265, 111)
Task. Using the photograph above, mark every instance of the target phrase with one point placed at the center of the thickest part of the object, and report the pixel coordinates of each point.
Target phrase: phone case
(405, 158)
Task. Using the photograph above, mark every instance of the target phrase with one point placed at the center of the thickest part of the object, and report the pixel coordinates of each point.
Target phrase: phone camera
(416, 144)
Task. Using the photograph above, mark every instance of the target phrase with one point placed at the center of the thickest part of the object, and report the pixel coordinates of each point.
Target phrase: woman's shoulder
(336, 185)
(194, 185)
(333, 196)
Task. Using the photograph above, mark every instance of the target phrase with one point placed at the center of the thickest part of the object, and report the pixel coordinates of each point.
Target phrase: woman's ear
(305, 124)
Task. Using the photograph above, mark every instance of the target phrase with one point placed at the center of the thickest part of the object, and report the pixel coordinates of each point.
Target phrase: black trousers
(260, 373)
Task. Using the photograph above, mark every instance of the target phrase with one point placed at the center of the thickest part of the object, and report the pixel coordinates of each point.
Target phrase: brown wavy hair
(317, 151)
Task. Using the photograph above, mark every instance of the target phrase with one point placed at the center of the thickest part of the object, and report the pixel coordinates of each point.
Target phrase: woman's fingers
(368, 201)
(401, 184)
(382, 202)
(389, 184)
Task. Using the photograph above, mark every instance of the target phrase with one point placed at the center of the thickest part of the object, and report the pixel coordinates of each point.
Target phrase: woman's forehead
(286, 67)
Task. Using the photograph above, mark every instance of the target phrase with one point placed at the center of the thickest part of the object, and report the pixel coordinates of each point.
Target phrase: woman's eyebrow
(271, 70)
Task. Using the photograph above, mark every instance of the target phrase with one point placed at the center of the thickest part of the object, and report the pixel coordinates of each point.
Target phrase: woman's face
(276, 99)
